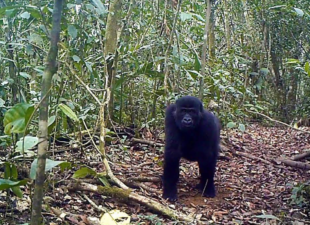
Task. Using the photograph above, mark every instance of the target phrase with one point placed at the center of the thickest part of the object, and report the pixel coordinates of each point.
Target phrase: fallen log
(295, 164)
(301, 156)
(127, 196)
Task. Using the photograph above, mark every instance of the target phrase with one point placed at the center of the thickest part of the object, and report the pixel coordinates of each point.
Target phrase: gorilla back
(194, 134)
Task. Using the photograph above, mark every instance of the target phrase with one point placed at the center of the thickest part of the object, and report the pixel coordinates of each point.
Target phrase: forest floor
(249, 191)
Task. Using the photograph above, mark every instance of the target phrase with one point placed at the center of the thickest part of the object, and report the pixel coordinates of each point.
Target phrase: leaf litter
(249, 191)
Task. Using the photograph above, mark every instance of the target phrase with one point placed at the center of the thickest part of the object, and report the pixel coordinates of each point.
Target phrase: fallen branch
(301, 156)
(145, 179)
(128, 195)
(142, 141)
(277, 121)
(295, 164)
(247, 155)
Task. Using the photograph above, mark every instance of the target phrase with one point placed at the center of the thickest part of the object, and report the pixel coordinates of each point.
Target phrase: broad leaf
(72, 31)
(29, 143)
(185, 16)
(241, 127)
(83, 172)
(16, 118)
(231, 125)
(100, 7)
(50, 164)
(66, 110)
(299, 12)
(5, 183)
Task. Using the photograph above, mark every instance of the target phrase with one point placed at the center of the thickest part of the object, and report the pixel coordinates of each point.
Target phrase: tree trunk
(110, 49)
(204, 50)
(50, 70)
(227, 25)
(212, 35)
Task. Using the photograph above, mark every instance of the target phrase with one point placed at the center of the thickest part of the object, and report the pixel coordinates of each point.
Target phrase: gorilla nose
(187, 120)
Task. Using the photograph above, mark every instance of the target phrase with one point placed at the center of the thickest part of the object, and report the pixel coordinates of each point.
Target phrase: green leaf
(185, 16)
(25, 75)
(51, 120)
(36, 39)
(2, 102)
(72, 31)
(241, 127)
(6, 184)
(68, 112)
(14, 173)
(307, 68)
(65, 165)
(197, 64)
(51, 123)
(50, 164)
(231, 125)
(25, 15)
(299, 12)
(17, 191)
(7, 170)
(76, 58)
(100, 7)
(16, 118)
(29, 143)
(292, 61)
(83, 172)
(105, 181)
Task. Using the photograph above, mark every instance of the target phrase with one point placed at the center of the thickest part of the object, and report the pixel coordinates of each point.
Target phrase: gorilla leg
(207, 171)
(171, 177)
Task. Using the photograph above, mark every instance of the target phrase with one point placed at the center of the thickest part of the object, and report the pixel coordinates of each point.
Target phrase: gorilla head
(188, 113)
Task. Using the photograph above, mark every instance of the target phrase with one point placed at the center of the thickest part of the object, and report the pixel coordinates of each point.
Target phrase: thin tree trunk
(204, 50)
(166, 77)
(212, 35)
(110, 48)
(50, 70)
(227, 25)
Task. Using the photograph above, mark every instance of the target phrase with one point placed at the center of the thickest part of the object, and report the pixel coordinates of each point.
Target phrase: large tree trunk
(50, 70)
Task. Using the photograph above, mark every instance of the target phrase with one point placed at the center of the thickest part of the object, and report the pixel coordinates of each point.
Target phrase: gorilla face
(188, 113)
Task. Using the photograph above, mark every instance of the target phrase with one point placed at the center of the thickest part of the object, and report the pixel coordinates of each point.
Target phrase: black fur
(195, 138)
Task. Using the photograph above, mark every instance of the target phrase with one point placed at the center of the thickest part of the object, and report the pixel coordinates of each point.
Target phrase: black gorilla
(192, 133)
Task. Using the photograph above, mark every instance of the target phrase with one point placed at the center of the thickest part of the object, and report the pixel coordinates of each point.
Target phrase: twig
(277, 121)
(98, 208)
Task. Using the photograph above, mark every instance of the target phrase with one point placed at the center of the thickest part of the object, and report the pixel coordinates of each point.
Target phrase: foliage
(301, 194)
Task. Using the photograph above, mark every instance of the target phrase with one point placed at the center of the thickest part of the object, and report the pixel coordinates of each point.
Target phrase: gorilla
(192, 133)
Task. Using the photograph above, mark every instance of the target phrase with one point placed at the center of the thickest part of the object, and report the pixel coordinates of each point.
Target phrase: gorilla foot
(172, 197)
(209, 191)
